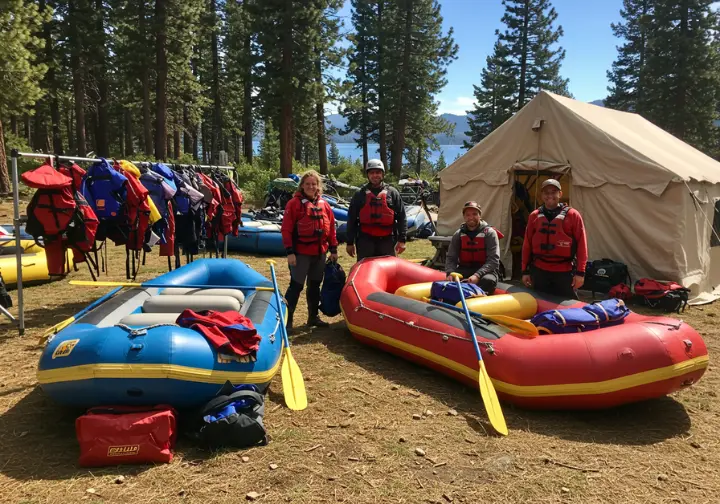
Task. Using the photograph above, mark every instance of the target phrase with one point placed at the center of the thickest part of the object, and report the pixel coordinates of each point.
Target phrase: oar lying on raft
(487, 389)
(514, 324)
(163, 286)
(62, 325)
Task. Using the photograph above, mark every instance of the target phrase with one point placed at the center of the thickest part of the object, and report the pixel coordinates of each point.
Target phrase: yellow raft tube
(34, 262)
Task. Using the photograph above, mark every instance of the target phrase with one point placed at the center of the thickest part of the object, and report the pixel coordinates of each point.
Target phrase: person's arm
(580, 237)
(288, 227)
(451, 257)
(332, 239)
(527, 244)
(400, 217)
(353, 215)
(492, 254)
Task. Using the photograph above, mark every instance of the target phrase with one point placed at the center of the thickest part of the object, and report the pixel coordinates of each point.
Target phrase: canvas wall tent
(648, 199)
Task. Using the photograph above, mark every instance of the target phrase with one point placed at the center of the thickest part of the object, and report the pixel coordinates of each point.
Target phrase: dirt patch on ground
(357, 440)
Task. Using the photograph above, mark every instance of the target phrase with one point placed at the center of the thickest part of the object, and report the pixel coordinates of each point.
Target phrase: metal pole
(225, 246)
(18, 246)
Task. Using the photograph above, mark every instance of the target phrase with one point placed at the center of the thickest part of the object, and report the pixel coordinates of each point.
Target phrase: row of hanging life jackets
(133, 206)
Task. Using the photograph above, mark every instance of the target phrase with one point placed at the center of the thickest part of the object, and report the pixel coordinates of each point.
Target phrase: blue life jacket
(153, 182)
(105, 189)
(332, 286)
(163, 170)
(182, 202)
(605, 313)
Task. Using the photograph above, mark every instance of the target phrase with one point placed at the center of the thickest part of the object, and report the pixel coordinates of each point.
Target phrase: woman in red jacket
(308, 232)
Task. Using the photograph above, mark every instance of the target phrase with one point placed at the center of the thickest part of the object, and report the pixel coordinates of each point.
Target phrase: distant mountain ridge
(457, 138)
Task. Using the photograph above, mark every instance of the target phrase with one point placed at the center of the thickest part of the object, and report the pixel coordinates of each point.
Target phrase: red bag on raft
(112, 435)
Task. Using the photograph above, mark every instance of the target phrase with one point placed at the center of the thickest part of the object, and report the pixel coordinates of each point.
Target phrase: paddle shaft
(516, 325)
(283, 329)
(166, 286)
(469, 319)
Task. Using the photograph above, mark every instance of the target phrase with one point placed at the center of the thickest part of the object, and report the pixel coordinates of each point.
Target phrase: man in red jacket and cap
(554, 252)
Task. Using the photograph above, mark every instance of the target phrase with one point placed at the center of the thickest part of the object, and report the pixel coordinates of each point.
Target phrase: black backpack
(234, 418)
(603, 274)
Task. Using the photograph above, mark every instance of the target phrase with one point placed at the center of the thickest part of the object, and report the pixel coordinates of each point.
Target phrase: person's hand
(334, 257)
(350, 249)
(474, 279)
(578, 281)
(400, 248)
(527, 281)
(292, 260)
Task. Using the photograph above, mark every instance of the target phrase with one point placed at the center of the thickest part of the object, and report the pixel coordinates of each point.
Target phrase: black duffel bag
(603, 274)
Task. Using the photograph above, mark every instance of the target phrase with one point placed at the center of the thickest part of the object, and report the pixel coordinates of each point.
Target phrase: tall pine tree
(627, 76)
(20, 42)
(534, 58)
(493, 97)
(682, 71)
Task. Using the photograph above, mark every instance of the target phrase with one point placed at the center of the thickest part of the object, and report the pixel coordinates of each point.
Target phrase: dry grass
(356, 441)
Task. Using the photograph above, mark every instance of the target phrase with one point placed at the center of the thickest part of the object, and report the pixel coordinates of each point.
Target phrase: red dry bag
(112, 435)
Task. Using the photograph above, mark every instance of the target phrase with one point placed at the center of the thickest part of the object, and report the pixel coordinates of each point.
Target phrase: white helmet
(374, 164)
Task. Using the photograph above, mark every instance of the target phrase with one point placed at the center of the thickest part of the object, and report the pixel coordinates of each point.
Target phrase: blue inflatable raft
(258, 237)
(129, 351)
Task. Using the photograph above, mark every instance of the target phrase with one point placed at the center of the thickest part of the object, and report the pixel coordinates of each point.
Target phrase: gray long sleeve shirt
(394, 202)
(492, 251)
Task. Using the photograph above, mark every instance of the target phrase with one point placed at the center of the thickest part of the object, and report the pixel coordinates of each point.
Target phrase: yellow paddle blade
(491, 402)
(514, 324)
(293, 383)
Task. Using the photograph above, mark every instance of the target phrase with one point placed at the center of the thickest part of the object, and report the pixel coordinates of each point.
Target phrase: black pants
(374, 246)
(558, 283)
(487, 282)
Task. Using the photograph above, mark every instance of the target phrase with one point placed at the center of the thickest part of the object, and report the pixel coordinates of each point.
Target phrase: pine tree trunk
(247, 105)
(176, 144)
(77, 77)
(418, 161)
(298, 147)
(640, 96)
(398, 146)
(129, 149)
(4, 178)
(162, 71)
(147, 117)
(13, 125)
(679, 129)
(238, 147)
(523, 56)
(217, 140)
(68, 125)
(205, 152)
(364, 121)
(57, 146)
(195, 143)
(27, 131)
(381, 88)
(103, 131)
(322, 142)
(39, 131)
(286, 110)
(187, 138)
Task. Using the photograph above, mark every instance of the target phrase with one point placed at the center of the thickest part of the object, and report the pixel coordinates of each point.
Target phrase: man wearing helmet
(376, 217)
(554, 253)
(474, 250)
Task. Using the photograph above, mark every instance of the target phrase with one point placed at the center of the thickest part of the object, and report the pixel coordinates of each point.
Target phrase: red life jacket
(312, 229)
(75, 173)
(376, 217)
(551, 243)
(472, 250)
(60, 216)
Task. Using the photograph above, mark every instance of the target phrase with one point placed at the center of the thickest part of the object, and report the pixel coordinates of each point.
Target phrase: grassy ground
(357, 440)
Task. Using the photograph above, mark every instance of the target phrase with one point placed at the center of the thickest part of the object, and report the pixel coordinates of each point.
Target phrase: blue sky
(588, 41)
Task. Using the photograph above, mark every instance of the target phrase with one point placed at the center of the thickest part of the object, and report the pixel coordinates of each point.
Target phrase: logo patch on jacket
(564, 243)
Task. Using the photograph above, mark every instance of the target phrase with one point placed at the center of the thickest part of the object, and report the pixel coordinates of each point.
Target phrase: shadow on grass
(642, 423)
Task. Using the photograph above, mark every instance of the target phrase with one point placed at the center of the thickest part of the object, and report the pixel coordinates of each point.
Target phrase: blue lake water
(352, 151)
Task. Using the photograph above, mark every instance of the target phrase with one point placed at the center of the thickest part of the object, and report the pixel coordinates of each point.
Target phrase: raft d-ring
(357, 308)
(445, 337)
(688, 344)
(381, 316)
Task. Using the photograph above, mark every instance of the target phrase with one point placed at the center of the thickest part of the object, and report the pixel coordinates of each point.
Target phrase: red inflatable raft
(643, 358)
